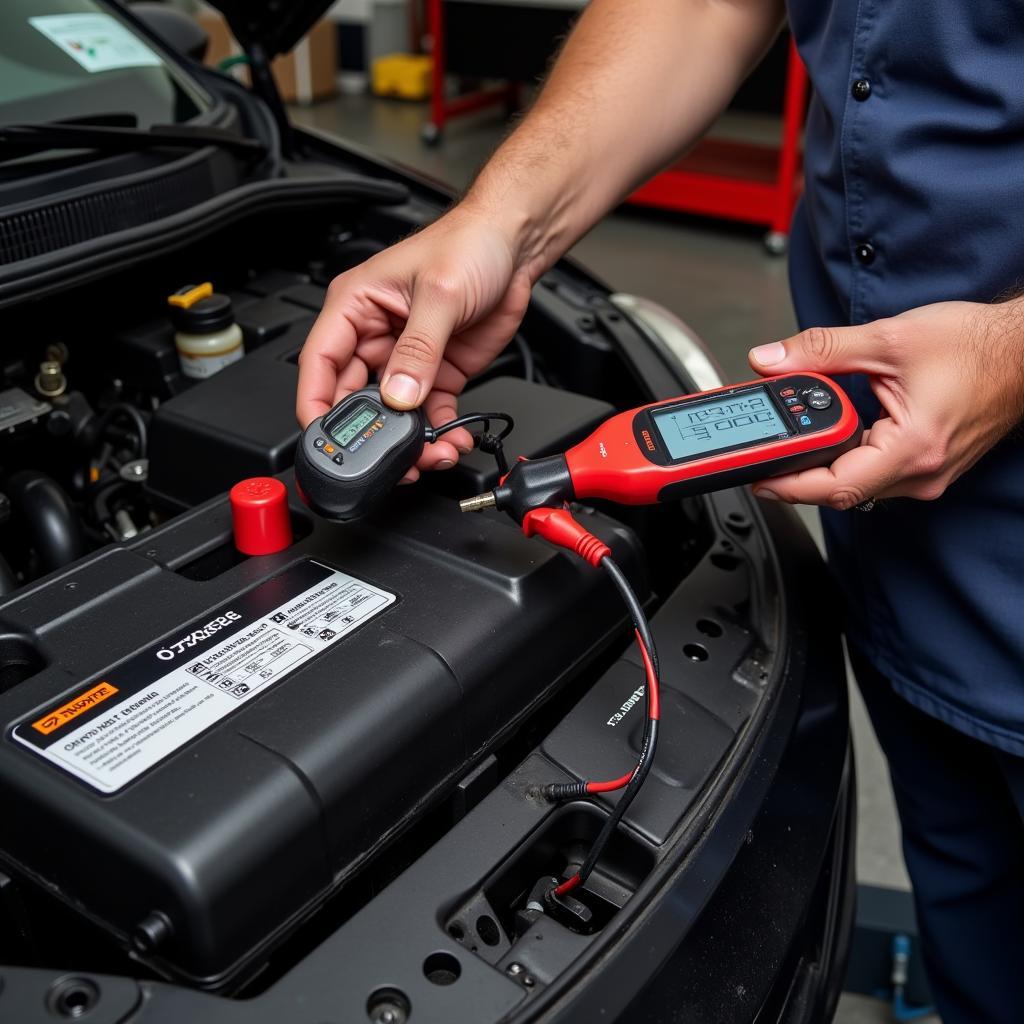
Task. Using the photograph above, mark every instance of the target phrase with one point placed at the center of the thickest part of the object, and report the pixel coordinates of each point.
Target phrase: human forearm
(638, 82)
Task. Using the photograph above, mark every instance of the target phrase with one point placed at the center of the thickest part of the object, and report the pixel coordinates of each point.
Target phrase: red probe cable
(653, 711)
(558, 526)
(654, 714)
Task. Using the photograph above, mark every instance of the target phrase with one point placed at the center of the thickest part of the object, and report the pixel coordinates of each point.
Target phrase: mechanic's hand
(950, 378)
(427, 314)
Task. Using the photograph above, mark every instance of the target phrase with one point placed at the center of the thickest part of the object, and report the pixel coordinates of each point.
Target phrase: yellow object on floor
(402, 75)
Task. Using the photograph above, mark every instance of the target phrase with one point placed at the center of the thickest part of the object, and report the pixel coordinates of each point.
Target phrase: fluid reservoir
(207, 338)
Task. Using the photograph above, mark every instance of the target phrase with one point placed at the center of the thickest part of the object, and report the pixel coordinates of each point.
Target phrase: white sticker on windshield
(99, 42)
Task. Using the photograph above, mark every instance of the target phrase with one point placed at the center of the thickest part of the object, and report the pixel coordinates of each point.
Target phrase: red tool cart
(757, 184)
(441, 107)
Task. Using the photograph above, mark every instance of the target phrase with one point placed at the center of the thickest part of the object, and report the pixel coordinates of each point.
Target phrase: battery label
(180, 687)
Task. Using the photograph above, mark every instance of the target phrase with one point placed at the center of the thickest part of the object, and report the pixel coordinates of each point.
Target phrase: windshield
(64, 59)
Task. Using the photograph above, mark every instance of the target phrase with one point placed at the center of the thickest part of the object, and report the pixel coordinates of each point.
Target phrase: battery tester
(690, 445)
(695, 444)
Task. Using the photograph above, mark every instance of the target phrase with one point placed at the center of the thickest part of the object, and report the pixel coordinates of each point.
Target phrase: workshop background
(366, 73)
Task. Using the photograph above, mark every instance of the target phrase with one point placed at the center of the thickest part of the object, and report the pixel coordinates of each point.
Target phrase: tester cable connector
(488, 442)
(557, 526)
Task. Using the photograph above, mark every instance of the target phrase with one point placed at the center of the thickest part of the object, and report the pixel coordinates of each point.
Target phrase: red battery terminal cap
(259, 511)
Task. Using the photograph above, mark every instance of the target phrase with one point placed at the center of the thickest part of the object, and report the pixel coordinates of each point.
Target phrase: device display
(358, 420)
(699, 428)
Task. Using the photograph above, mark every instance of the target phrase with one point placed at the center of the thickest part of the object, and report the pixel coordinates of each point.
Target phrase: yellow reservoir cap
(185, 298)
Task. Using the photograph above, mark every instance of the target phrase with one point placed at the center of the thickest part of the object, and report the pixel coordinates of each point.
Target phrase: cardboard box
(306, 74)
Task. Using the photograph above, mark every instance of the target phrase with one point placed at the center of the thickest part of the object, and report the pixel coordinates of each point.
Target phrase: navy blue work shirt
(914, 194)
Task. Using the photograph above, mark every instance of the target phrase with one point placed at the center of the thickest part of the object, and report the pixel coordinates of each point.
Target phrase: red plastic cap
(259, 509)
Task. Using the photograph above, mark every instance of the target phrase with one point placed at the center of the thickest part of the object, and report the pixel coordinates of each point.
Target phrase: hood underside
(275, 25)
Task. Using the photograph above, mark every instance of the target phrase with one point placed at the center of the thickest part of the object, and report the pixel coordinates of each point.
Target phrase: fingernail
(445, 464)
(401, 389)
(405, 481)
(465, 449)
(763, 492)
(766, 355)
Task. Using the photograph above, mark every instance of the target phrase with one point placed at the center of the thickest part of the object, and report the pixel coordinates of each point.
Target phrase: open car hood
(274, 25)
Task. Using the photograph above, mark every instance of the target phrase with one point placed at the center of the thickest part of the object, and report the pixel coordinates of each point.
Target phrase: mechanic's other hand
(426, 314)
(950, 378)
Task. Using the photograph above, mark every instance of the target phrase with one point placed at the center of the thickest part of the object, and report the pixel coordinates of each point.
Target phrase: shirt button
(865, 253)
(861, 89)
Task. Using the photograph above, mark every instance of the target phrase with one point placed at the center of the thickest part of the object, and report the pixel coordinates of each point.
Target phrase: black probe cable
(486, 442)
(650, 740)
(433, 433)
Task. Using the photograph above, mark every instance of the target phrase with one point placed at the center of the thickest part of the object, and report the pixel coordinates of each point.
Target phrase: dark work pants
(961, 804)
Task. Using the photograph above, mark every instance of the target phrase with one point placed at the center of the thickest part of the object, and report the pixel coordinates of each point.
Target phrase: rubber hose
(46, 514)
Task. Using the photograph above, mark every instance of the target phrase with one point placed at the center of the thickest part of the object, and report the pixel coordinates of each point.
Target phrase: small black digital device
(354, 455)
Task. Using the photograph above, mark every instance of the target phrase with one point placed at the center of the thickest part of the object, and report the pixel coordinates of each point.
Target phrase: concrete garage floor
(718, 278)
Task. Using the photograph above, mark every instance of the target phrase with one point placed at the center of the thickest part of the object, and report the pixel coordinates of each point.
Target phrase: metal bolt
(388, 1006)
(135, 471)
(50, 381)
(126, 527)
(515, 969)
(389, 1013)
(151, 932)
(528, 980)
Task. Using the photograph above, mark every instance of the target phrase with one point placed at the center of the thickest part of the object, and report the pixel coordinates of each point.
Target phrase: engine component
(50, 381)
(45, 514)
(207, 338)
(239, 423)
(18, 408)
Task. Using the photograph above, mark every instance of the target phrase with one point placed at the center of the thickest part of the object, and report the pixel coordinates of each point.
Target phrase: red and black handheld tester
(690, 445)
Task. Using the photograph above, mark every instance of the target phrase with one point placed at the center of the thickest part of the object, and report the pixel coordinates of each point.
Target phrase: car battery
(224, 741)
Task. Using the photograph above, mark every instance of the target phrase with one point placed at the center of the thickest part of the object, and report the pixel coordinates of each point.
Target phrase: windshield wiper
(18, 140)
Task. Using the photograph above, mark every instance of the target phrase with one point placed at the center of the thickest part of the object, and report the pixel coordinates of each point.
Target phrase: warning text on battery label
(114, 747)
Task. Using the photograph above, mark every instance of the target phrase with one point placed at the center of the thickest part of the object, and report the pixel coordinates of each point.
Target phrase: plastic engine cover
(222, 741)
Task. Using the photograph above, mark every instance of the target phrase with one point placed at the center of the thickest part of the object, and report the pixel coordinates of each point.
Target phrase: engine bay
(243, 753)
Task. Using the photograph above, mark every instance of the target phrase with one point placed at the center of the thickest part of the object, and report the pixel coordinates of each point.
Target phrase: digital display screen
(354, 423)
(700, 428)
